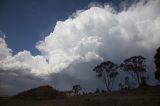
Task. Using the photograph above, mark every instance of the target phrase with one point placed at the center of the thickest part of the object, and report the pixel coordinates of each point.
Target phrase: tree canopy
(108, 71)
(76, 88)
(136, 67)
(157, 63)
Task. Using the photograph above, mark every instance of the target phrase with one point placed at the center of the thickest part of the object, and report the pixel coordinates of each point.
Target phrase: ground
(149, 96)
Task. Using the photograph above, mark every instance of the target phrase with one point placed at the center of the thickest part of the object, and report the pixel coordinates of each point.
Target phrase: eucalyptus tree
(108, 72)
(157, 63)
(136, 67)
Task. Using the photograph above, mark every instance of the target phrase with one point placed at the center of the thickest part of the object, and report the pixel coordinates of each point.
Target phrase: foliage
(76, 89)
(157, 63)
(121, 86)
(135, 66)
(108, 71)
(97, 91)
(127, 85)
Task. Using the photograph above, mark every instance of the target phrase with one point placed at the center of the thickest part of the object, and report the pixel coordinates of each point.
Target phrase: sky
(59, 42)
(28, 21)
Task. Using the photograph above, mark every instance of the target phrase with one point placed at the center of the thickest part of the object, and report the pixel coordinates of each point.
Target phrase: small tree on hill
(76, 89)
(136, 67)
(157, 63)
(108, 71)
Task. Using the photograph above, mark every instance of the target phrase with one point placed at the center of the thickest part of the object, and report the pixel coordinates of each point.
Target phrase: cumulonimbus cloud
(4, 50)
(101, 32)
(95, 34)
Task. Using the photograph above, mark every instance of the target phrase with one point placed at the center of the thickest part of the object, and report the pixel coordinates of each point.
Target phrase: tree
(136, 67)
(157, 63)
(97, 91)
(144, 82)
(128, 84)
(108, 71)
(76, 89)
(121, 86)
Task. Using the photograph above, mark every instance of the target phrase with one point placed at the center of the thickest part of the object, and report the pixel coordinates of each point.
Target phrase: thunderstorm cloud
(70, 52)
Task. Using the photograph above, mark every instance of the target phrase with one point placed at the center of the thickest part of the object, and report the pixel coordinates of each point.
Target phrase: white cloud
(82, 41)
(105, 33)
(4, 50)
(25, 61)
(95, 34)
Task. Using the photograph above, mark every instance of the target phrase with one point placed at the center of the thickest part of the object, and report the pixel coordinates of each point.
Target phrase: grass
(138, 97)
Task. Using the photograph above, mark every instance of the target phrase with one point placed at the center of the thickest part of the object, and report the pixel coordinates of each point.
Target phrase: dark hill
(42, 92)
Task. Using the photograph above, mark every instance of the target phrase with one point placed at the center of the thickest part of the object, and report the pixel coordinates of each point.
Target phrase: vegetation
(41, 93)
(97, 91)
(76, 89)
(157, 63)
(108, 71)
(136, 97)
(136, 67)
(127, 85)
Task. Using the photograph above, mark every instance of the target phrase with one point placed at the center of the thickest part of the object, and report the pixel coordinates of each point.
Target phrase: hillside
(149, 96)
(42, 92)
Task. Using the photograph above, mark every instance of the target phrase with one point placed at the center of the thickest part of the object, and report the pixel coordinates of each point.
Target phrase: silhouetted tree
(136, 67)
(97, 91)
(157, 63)
(144, 82)
(76, 89)
(103, 91)
(128, 83)
(121, 86)
(108, 71)
(90, 93)
(83, 93)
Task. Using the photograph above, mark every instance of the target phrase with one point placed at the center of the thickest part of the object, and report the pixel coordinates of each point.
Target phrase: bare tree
(136, 67)
(108, 71)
